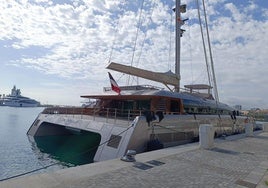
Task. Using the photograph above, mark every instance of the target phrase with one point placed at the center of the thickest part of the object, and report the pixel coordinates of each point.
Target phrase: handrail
(108, 113)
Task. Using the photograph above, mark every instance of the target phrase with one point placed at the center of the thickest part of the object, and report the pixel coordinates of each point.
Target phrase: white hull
(133, 135)
(19, 104)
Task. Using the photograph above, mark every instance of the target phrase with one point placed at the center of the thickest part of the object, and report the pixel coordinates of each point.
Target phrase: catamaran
(140, 117)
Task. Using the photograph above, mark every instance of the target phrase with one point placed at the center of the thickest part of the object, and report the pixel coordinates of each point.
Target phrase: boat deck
(99, 115)
(236, 161)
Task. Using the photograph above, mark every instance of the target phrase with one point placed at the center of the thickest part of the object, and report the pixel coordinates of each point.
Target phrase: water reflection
(72, 149)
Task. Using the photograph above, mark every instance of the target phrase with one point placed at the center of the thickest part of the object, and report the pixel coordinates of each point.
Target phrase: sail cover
(167, 78)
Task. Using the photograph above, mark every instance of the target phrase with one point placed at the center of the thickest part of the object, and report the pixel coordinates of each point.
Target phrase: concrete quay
(237, 161)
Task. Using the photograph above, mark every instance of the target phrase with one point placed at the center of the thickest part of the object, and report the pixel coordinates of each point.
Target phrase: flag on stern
(114, 85)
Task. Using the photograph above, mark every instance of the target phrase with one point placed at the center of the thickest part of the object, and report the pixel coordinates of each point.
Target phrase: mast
(179, 22)
(178, 41)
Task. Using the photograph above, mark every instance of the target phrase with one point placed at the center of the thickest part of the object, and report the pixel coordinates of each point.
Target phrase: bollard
(249, 129)
(265, 127)
(129, 156)
(206, 136)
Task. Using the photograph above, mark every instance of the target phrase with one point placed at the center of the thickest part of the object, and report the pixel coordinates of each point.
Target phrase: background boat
(15, 99)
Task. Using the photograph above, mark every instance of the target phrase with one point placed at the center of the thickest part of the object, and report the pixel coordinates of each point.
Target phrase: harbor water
(20, 153)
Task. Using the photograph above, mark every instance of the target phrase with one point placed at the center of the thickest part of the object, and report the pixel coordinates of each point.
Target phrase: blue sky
(57, 50)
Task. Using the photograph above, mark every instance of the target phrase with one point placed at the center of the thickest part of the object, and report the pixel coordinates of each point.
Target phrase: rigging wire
(191, 62)
(211, 58)
(203, 41)
(137, 64)
(113, 44)
(136, 38)
(144, 38)
(115, 36)
(71, 157)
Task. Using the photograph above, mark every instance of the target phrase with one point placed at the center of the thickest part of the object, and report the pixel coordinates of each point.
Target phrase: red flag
(114, 85)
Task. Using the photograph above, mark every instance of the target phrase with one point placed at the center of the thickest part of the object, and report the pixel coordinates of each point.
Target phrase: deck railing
(108, 113)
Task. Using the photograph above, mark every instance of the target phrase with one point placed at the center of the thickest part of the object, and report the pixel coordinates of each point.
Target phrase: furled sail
(167, 78)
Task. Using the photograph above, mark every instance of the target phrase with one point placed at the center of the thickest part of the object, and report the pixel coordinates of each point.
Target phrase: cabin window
(128, 105)
(202, 110)
(189, 109)
(174, 106)
(136, 105)
(115, 104)
(143, 104)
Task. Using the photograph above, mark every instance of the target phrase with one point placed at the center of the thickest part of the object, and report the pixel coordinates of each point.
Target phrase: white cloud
(77, 40)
